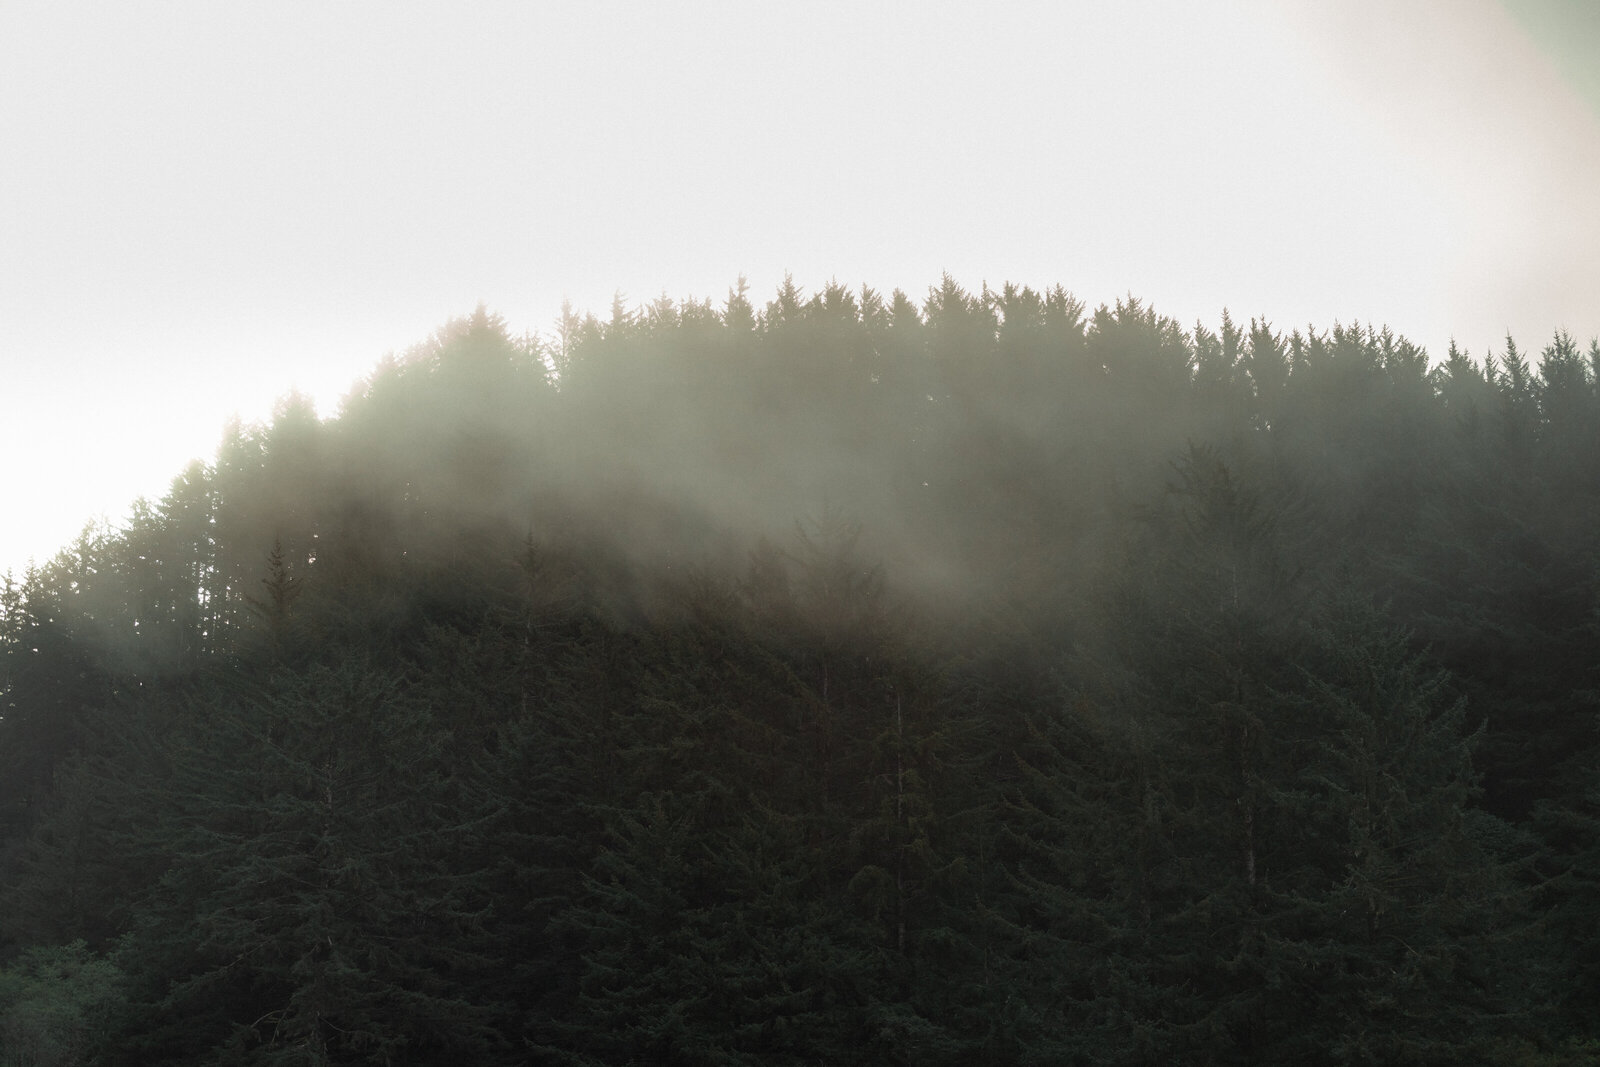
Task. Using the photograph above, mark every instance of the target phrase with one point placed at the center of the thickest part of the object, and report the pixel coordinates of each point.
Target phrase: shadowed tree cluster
(848, 679)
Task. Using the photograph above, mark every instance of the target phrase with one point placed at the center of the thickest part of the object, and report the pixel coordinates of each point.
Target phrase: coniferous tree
(480, 722)
(316, 908)
(1394, 928)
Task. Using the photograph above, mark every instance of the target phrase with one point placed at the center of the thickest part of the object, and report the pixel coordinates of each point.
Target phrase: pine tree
(1394, 931)
(316, 908)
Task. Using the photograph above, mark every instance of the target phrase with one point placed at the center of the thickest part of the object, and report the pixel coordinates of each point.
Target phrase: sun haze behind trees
(841, 677)
(203, 208)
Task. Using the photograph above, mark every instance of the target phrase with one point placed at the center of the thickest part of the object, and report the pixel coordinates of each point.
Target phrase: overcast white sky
(205, 204)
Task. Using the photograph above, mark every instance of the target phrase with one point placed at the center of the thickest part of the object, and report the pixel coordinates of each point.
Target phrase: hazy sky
(205, 204)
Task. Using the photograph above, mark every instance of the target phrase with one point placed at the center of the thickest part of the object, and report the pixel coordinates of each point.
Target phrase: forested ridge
(842, 680)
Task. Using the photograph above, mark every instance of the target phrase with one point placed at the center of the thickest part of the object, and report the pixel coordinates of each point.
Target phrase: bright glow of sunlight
(202, 205)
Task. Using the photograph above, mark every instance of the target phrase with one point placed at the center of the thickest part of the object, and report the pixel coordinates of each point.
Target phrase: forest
(846, 679)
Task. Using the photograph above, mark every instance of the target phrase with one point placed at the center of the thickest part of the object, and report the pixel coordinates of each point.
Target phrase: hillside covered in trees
(984, 680)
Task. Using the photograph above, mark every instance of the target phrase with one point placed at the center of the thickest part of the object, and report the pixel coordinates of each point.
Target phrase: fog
(207, 208)
(889, 611)
(827, 533)
(987, 453)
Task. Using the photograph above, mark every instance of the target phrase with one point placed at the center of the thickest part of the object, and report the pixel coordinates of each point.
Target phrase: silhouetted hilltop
(848, 679)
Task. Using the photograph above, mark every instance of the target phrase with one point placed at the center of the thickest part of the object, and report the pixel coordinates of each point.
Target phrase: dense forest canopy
(846, 679)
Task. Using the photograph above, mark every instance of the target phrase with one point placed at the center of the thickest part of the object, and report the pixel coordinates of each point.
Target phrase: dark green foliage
(57, 1006)
(1398, 920)
(320, 898)
(511, 716)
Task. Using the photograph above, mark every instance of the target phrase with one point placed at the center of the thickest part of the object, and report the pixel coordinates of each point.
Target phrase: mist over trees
(843, 679)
